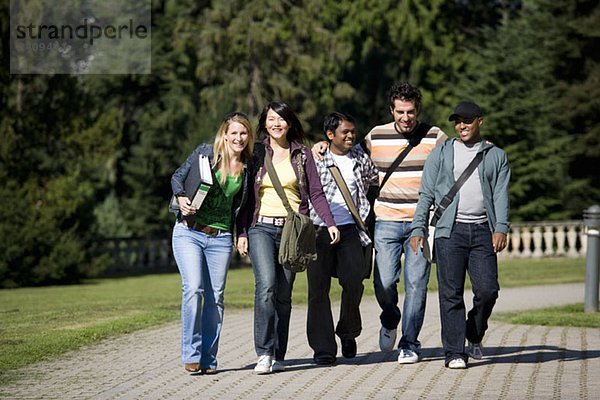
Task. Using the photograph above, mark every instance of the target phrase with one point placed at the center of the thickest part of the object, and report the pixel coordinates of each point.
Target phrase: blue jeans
(468, 249)
(272, 293)
(391, 241)
(203, 262)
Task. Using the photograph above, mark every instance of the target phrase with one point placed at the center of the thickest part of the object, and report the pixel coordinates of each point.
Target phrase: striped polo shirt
(398, 199)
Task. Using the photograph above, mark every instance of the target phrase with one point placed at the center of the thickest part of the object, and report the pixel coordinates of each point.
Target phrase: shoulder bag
(298, 239)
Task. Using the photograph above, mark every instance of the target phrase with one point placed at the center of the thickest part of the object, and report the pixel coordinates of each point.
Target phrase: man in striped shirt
(394, 210)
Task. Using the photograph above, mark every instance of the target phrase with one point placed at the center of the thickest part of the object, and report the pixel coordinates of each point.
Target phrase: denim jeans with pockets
(469, 250)
(272, 292)
(391, 241)
(203, 262)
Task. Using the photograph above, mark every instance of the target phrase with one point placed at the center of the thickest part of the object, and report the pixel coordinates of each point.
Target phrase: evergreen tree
(55, 148)
(518, 78)
(573, 29)
(164, 120)
(250, 53)
(87, 157)
(52, 153)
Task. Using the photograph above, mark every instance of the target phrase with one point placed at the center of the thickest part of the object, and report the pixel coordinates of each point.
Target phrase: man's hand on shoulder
(318, 150)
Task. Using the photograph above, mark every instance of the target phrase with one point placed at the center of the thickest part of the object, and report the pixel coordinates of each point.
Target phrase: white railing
(546, 239)
(525, 240)
(137, 255)
(144, 255)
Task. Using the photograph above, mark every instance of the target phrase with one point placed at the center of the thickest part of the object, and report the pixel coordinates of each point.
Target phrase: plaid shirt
(365, 173)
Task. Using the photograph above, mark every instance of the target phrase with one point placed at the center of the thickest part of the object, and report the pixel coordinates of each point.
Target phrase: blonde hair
(221, 158)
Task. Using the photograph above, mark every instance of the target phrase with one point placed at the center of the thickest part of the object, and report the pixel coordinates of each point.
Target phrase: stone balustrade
(525, 240)
(546, 239)
(137, 255)
(143, 255)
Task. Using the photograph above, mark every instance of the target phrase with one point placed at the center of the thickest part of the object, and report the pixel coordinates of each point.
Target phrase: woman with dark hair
(202, 237)
(295, 166)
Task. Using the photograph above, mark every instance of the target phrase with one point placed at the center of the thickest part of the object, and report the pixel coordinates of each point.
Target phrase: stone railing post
(526, 235)
(560, 241)
(572, 240)
(537, 242)
(549, 240)
(515, 240)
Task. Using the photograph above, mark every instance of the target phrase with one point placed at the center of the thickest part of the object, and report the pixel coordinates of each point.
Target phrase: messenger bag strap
(276, 182)
(337, 176)
(419, 133)
(447, 199)
(394, 165)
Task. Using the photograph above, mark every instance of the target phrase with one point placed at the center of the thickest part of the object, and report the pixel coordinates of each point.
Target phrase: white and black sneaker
(264, 365)
(457, 363)
(407, 356)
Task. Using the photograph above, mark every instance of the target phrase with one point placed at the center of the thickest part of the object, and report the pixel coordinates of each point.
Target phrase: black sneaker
(348, 348)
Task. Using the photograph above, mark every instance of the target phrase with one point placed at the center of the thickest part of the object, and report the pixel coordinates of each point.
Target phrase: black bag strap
(413, 141)
(337, 176)
(447, 199)
(394, 165)
(276, 182)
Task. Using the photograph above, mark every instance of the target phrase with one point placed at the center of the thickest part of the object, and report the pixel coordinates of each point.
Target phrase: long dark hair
(295, 133)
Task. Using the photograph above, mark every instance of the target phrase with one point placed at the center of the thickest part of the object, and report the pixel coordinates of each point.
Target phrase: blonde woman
(203, 237)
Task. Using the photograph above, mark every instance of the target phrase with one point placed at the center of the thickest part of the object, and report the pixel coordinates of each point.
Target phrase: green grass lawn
(40, 323)
(569, 315)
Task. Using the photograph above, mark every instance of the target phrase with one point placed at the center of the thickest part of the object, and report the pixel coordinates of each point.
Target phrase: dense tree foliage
(536, 77)
(86, 157)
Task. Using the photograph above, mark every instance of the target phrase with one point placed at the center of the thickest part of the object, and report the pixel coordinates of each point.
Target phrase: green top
(216, 208)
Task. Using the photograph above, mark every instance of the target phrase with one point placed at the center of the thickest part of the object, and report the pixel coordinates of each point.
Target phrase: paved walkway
(522, 362)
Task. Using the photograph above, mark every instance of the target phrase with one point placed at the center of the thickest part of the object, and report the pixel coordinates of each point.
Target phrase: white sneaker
(475, 350)
(387, 339)
(457, 363)
(277, 366)
(407, 356)
(264, 364)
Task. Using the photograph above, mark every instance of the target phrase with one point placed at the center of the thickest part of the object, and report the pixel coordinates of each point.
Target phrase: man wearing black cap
(471, 228)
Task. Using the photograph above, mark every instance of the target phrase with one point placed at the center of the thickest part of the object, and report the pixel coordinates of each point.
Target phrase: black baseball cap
(466, 109)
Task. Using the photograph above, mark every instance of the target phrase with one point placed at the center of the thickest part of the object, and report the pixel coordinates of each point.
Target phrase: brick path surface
(521, 362)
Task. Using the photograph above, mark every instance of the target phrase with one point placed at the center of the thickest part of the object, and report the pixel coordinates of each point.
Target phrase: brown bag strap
(337, 176)
(276, 182)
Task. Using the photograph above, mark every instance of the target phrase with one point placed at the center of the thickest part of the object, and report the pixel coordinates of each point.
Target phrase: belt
(209, 230)
(277, 221)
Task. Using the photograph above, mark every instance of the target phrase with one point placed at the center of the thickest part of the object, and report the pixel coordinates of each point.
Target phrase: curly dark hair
(406, 92)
